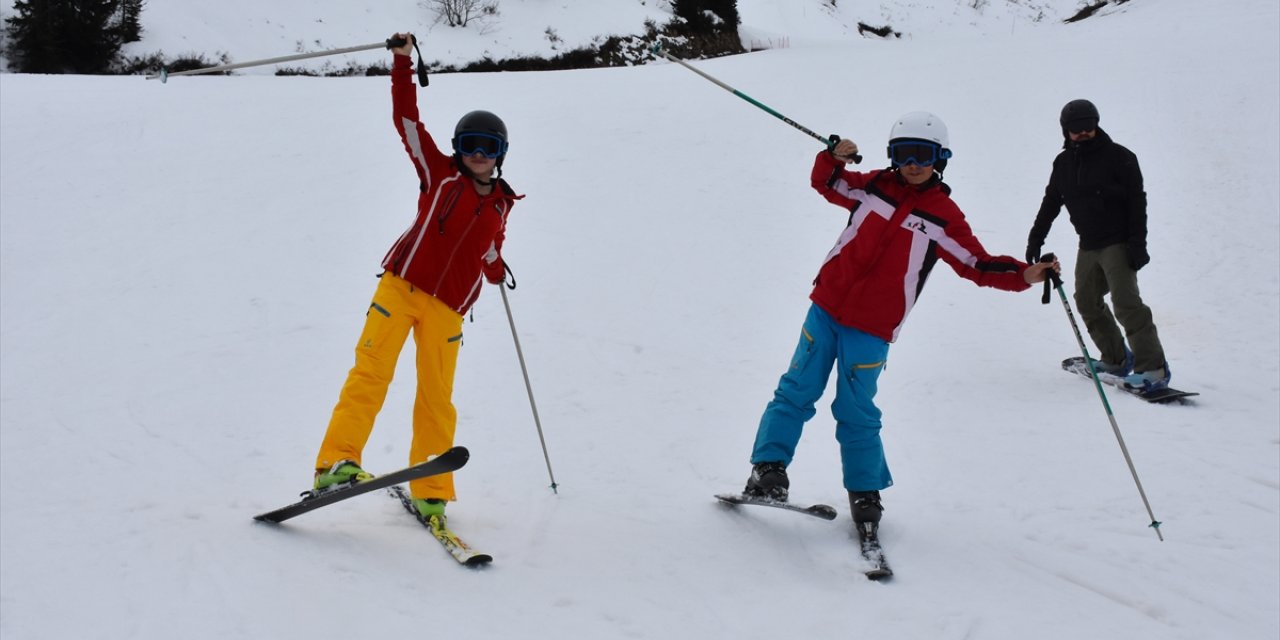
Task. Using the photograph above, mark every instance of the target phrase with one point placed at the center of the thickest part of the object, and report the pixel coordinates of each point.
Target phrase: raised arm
(830, 179)
(428, 160)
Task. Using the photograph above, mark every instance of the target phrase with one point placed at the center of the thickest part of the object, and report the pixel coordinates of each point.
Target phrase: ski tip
(478, 560)
(883, 574)
(823, 511)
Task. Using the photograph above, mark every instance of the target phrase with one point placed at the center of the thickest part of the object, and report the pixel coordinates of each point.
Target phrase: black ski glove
(1138, 257)
(1033, 253)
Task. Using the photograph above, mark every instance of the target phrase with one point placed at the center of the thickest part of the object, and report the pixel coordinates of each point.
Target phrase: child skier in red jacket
(433, 274)
(902, 221)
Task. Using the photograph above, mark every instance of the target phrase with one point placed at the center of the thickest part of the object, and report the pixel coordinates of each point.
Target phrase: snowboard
(1078, 366)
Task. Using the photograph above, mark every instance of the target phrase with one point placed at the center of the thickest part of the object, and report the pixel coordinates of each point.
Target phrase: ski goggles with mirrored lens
(917, 152)
(471, 143)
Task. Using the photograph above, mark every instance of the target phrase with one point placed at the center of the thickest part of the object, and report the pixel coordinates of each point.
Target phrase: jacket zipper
(447, 210)
(449, 262)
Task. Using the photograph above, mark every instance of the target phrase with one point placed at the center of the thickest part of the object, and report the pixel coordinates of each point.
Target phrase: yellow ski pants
(398, 308)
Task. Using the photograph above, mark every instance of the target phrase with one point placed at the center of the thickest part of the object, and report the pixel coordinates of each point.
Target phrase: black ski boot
(768, 480)
(866, 508)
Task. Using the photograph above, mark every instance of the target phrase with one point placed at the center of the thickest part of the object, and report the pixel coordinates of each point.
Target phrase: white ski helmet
(921, 125)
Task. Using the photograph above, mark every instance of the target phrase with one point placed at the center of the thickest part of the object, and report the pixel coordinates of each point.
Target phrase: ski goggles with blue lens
(471, 143)
(917, 152)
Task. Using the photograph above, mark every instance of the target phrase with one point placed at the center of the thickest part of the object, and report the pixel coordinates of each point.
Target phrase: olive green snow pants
(1107, 270)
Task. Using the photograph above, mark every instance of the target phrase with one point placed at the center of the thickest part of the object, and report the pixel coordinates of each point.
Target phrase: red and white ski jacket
(872, 277)
(456, 237)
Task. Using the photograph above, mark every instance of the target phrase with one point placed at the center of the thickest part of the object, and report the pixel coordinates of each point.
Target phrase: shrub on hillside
(153, 63)
(457, 13)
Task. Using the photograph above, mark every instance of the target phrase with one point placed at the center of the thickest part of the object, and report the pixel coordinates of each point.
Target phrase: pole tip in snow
(555, 486)
(1155, 524)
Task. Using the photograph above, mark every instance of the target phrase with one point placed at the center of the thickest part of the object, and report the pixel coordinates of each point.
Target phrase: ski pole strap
(1051, 281)
(511, 275)
(392, 43)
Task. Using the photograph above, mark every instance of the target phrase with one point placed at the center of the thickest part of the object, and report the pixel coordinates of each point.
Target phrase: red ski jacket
(456, 238)
(896, 233)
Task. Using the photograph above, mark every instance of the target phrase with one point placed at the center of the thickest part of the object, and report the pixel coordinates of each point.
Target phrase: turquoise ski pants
(860, 357)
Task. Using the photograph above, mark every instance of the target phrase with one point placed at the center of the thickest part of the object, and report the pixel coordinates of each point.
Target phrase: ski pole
(1093, 372)
(830, 141)
(390, 43)
(528, 387)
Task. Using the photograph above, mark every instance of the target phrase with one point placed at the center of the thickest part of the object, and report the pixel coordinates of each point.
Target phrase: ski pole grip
(393, 43)
(1052, 279)
(833, 140)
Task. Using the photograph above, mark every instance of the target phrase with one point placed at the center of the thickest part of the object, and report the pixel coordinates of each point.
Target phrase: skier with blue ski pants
(902, 221)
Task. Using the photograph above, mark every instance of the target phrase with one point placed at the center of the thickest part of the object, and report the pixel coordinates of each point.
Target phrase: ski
(1078, 366)
(451, 460)
(818, 510)
(461, 551)
(873, 553)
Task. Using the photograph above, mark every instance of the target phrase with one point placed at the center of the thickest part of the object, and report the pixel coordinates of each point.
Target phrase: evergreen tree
(64, 36)
(709, 26)
(129, 26)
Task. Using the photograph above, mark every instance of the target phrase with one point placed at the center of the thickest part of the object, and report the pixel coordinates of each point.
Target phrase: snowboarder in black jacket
(1101, 185)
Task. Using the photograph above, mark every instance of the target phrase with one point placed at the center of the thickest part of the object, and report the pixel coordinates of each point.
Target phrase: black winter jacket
(1101, 184)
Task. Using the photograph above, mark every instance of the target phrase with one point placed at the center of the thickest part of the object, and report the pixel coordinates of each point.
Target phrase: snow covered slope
(184, 270)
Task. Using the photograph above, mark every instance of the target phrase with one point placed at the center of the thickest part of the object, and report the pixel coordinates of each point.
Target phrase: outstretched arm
(962, 251)
(1039, 271)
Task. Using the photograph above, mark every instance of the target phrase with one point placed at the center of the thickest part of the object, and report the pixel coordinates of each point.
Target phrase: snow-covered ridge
(250, 29)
